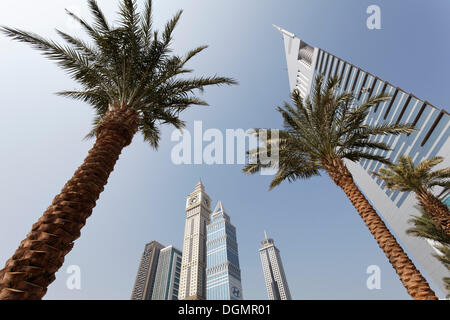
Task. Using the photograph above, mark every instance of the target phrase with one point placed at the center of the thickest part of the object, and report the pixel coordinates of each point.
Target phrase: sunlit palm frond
(406, 176)
(129, 63)
(328, 125)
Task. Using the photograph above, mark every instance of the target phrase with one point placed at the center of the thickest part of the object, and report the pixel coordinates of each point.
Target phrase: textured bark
(437, 211)
(32, 268)
(416, 285)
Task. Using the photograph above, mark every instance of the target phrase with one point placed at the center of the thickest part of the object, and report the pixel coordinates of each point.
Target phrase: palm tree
(130, 76)
(406, 177)
(322, 131)
(425, 228)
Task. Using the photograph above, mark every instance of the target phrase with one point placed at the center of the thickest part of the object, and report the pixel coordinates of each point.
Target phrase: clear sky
(324, 245)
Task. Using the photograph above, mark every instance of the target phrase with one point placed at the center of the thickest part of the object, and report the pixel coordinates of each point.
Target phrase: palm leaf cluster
(405, 176)
(425, 228)
(128, 63)
(322, 131)
(328, 125)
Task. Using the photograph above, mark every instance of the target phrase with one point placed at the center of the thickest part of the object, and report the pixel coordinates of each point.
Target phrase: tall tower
(193, 266)
(223, 272)
(145, 278)
(167, 280)
(431, 138)
(276, 282)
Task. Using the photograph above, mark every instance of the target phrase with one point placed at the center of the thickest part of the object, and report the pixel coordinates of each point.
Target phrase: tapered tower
(223, 272)
(276, 282)
(193, 266)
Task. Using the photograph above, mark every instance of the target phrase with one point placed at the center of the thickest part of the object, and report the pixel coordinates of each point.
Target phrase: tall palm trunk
(32, 268)
(414, 282)
(437, 211)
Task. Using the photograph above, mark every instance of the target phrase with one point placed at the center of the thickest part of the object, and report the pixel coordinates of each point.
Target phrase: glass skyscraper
(223, 272)
(431, 139)
(167, 280)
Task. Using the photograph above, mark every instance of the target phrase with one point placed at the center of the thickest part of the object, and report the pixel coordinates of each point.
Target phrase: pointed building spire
(220, 211)
(282, 31)
(199, 185)
(219, 207)
(265, 234)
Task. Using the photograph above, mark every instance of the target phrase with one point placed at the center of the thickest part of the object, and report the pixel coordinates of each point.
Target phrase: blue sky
(324, 244)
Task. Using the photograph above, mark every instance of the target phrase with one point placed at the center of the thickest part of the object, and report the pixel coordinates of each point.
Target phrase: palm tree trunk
(416, 285)
(32, 268)
(437, 211)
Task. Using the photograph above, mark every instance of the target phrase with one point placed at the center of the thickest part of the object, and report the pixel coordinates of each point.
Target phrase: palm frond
(131, 64)
(100, 21)
(147, 22)
(88, 28)
(170, 27)
(328, 125)
(406, 176)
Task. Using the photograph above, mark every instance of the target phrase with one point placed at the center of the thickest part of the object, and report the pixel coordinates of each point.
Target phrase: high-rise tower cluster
(208, 266)
(158, 276)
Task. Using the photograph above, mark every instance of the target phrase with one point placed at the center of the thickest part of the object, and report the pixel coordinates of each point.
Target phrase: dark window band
(374, 82)
(326, 63)
(356, 80)
(344, 65)
(321, 60)
(382, 92)
(390, 104)
(331, 66)
(435, 123)
(362, 86)
(337, 67)
(420, 113)
(348, 77)
(400, 116)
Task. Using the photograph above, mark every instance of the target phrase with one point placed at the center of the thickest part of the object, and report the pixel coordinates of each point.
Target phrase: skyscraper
(276, 282)
(193, 266)
(223, 272)
(167, 279)
(431, 138)
(145, 279)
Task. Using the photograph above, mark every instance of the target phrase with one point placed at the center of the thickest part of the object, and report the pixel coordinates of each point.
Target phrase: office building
(193, 266)
(276, 282)
(168, 272)
(431, 139)
(145, 278)
(223, 272)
